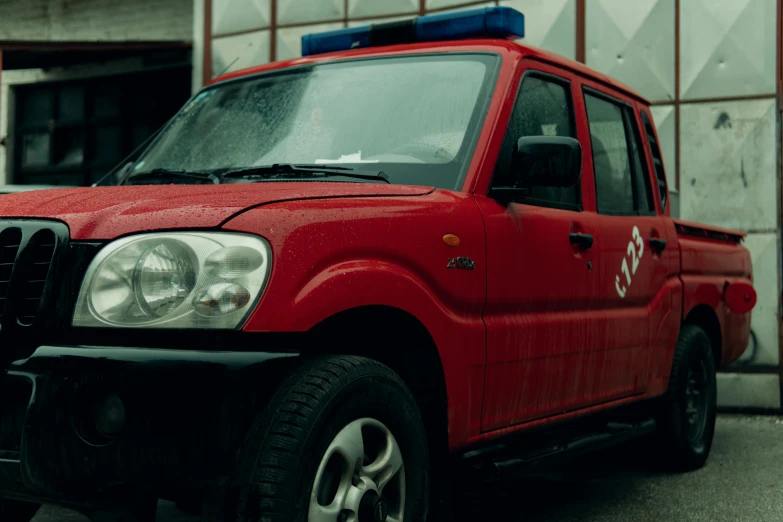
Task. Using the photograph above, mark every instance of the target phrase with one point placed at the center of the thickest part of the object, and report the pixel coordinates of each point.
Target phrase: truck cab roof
(508, 47)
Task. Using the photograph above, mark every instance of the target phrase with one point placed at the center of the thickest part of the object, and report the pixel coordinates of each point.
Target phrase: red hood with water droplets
(110, 212)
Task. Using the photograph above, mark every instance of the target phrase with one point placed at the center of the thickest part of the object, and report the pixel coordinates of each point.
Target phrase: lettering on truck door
(634, 266)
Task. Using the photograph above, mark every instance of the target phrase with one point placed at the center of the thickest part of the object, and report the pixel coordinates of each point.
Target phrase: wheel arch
(399, 340)
(705, 318)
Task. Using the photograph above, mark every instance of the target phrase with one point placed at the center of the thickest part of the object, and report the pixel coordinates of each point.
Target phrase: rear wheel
(687, 413)
(16, 511)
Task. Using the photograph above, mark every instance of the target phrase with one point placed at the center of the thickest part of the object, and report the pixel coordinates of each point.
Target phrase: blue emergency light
(489, 22)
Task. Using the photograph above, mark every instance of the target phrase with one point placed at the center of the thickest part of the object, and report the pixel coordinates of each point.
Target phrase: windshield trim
(477, 119)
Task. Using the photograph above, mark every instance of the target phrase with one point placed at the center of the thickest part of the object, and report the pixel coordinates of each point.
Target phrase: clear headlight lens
(174, 280)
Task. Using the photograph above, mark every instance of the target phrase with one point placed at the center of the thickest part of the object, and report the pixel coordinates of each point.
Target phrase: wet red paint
(537, 330)
(110, 212)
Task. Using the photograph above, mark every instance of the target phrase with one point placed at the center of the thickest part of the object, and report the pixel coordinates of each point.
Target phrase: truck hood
(109, 212)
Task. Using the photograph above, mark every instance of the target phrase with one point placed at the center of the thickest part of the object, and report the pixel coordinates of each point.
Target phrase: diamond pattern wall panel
(357, 8)
(357, 23)
(230, 16)
(429, 5)
(727, 48)
(238, 52)
(549, 24)
(291, 12)
(289, 40)
(728, 164)
(663, 117)
(460, 7)
(763, 347)
(633, 41)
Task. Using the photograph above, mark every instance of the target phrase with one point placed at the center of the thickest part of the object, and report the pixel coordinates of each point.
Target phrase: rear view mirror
(542, 161)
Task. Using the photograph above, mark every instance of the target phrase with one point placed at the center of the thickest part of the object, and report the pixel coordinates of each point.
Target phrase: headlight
(174, 280)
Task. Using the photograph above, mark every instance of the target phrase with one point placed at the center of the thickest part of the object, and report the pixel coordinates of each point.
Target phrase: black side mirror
(541, 161)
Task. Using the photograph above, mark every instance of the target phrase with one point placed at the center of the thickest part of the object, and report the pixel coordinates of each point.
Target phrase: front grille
(10, 239)
(40, 251)
(27, 252)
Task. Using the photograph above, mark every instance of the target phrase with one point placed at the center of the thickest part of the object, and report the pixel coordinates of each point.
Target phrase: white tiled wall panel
(238, 52)
(357, 23)
(728, 161)
(289, 40)
(763, 347)
(663, 117)
(727, 48)
(549, 24)
(96, 20)
(633, 41)
(230, 16)
(441, 4)
(468, 7)
(358, 8)
(748, 391)
(302, 11)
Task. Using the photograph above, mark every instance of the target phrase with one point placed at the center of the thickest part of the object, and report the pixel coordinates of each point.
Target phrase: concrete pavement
(742, 482)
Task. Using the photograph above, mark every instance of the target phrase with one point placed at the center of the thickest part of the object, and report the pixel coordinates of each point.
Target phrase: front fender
(334, 255)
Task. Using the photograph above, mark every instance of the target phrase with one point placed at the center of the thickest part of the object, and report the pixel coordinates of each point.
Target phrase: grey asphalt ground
(743, 481)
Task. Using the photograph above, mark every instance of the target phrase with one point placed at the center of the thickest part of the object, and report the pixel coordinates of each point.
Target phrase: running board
(506, 464)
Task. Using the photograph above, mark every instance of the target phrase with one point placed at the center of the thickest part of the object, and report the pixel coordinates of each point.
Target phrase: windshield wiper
(167, 175)
(288, 170)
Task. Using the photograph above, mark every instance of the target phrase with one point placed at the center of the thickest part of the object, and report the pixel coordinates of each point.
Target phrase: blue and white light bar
(488, 22)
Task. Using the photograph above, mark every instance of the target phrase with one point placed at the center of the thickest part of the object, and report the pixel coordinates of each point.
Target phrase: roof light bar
(490, 22)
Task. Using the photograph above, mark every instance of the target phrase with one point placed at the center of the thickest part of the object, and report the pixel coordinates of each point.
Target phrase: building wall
(96, 20)
(709, 66)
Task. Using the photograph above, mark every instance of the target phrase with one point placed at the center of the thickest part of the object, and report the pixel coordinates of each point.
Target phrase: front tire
(688, 411)
(341, 441)
(17, 511)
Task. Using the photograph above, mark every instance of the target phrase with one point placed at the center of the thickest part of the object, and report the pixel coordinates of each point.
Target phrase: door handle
(658, 245)
(584, 241)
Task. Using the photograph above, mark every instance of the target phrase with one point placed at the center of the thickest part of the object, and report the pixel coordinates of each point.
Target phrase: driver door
(544, 346)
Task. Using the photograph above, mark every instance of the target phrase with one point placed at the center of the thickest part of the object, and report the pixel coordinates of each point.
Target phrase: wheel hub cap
(361, 477)
(373, 508)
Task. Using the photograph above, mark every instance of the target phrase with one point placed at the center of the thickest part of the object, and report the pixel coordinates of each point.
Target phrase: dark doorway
(72, 133)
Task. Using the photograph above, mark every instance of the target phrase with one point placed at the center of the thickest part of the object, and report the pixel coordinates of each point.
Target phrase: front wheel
(341, 441)
(687, 413)
(16, 511)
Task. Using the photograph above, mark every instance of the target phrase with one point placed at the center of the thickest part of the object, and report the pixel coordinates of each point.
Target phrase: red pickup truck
(328, 285)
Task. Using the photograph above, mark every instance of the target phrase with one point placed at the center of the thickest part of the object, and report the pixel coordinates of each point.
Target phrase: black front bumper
(186, 414)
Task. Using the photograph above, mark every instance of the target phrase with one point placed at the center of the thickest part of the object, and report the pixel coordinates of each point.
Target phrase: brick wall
(96, 20)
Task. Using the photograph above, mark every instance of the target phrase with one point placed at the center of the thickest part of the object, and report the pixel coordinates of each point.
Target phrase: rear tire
(16, 511)
(342, 436)
(686, 415)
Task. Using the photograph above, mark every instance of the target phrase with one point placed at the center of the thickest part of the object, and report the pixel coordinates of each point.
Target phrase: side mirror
(541, 161)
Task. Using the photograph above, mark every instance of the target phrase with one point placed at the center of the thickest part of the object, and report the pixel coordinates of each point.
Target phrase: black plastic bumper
(184, 417)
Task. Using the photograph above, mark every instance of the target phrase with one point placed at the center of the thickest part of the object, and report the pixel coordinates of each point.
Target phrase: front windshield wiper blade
(288, 170)
(164, 175)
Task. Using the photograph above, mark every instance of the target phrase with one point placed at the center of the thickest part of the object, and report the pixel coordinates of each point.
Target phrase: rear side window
(543, 108)
(622, 183)
(655, 152)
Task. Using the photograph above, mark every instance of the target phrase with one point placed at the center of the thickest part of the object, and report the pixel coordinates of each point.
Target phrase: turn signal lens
(220, 299)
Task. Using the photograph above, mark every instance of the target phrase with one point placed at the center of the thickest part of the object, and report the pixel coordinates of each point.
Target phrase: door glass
(543, 108)
(613, 182)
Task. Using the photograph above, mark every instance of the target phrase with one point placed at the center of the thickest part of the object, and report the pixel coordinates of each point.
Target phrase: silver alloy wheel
(361, 477)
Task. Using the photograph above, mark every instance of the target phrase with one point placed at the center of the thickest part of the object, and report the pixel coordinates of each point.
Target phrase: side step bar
(526, 462)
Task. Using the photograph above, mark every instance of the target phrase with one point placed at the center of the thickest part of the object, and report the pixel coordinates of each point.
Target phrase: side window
(622, 184)
(655, 152)
(642, 186)
(543, 108)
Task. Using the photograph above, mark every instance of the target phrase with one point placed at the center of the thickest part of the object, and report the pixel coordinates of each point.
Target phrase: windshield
(414, 118)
